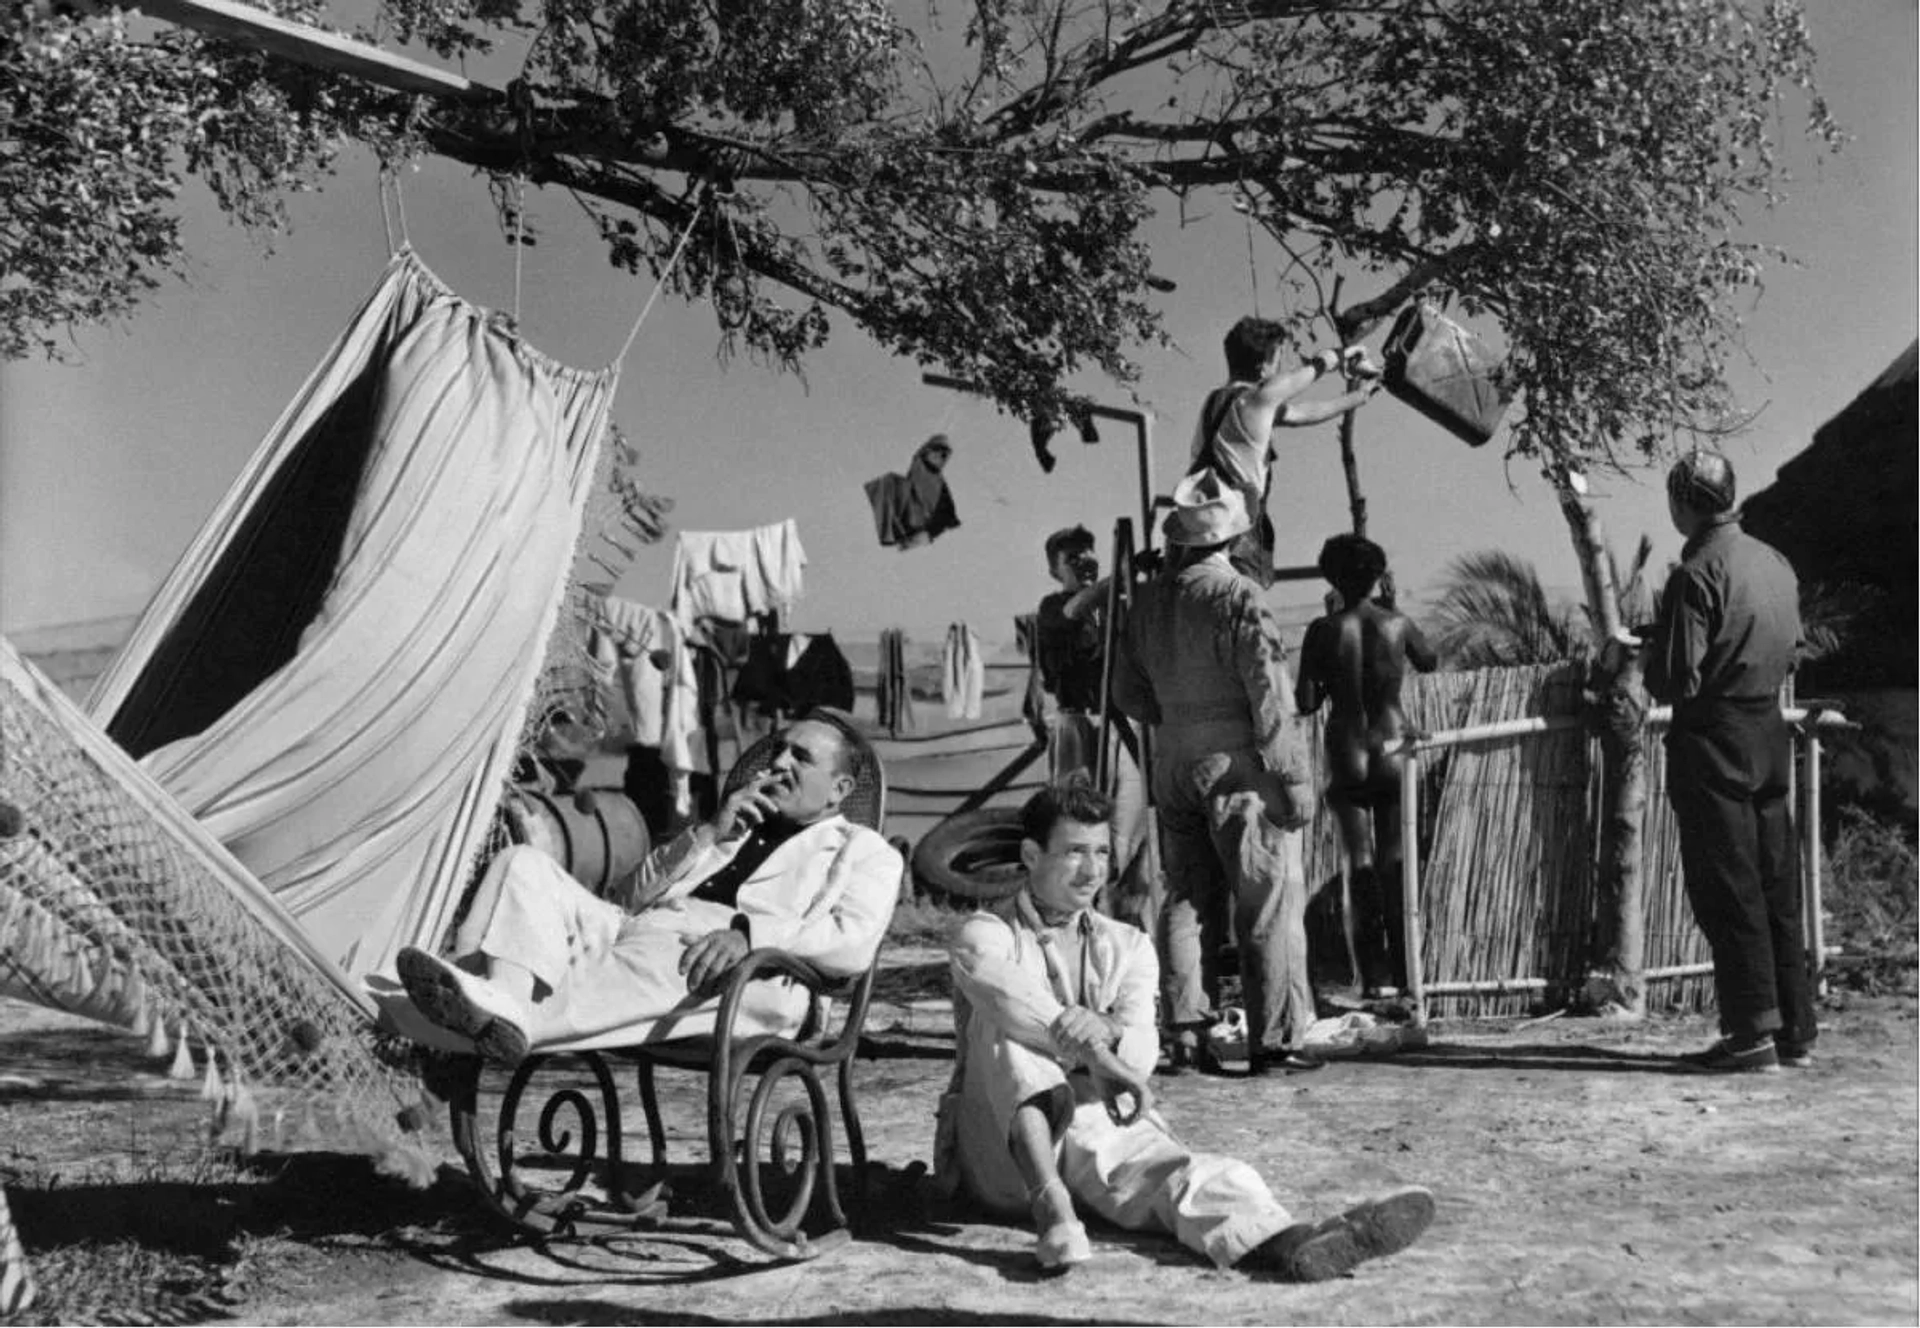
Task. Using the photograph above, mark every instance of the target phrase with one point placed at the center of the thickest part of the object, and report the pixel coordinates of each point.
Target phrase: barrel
(597, 834)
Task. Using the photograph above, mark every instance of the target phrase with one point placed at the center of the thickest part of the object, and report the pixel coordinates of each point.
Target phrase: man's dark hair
(1074, 539)
(1352, 563)
(1072, 799)
(1249, 342)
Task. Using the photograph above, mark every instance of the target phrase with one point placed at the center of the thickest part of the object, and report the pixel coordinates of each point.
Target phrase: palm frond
(1493, 612)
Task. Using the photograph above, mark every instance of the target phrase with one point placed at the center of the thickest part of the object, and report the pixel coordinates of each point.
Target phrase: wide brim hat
(1206, 510)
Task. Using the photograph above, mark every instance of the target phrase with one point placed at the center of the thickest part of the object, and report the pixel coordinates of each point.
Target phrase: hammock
(334, 678)
(325, 698)
(116, 905)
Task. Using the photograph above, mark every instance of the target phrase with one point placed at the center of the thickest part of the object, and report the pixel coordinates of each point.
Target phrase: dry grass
(921, 922)
(1872, 876)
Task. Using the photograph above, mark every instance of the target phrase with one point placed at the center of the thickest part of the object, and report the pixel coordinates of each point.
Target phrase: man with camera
(1070, 650)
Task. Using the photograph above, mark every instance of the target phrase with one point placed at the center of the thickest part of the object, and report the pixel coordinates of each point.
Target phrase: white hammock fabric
(356, 773)
(16, 1279)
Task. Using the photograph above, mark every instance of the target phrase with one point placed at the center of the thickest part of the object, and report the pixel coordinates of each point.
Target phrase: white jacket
(825, 895)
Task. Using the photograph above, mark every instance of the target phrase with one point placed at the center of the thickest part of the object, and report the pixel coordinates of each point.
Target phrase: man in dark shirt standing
(1070, 649)
(1727, 637)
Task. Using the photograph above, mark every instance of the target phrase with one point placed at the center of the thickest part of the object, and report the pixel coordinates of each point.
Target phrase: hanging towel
(1033, 705)
(733, 574)
(962, 673)
(915, 508)
(643, 653)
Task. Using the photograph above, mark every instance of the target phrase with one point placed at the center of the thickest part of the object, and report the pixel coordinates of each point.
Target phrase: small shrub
(1872, 900)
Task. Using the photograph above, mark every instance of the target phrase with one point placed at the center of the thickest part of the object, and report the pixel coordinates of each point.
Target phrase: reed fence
(1508, 826)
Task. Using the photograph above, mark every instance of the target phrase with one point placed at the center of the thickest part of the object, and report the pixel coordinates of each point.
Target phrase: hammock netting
(115, 905)
(294, 768)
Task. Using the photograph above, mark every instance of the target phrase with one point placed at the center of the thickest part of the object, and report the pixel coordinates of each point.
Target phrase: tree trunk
(1356, 500)
(1617, 708)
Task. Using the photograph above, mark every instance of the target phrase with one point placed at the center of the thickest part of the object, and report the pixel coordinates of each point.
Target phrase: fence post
(1410, 883)
(1810, 898)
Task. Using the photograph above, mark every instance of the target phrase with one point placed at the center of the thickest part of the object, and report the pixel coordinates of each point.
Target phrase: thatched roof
(1844, 510)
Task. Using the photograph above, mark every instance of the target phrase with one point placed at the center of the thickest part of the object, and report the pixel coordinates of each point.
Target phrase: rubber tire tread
(945, 859)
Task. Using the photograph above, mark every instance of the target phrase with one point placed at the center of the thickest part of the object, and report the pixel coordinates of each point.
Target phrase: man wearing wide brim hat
(1202, 659)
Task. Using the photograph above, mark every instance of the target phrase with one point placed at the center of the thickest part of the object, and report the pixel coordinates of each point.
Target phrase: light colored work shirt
(1016, 982)
(1203, 658)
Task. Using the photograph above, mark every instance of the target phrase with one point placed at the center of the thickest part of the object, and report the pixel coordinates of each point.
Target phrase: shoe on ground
(1730, 1057)
(1063, 1237)
(1192, 1051)
(1283, 1060)
(1794, 1055)
(1322, 1251)
(1390, 1222)
(464, 1004)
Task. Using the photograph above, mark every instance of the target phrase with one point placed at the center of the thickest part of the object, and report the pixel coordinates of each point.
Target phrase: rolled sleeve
(1260, 660)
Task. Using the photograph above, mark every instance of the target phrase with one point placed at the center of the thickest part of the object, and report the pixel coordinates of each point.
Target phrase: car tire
(971, 857)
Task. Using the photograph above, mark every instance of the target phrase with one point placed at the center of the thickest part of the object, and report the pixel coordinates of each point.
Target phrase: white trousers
(1139, 1177)
(607, 977)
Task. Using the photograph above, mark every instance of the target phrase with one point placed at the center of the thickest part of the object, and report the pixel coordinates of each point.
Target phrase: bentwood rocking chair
(775, 1165)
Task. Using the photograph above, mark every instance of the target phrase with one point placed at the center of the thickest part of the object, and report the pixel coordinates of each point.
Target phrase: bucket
(597, 834)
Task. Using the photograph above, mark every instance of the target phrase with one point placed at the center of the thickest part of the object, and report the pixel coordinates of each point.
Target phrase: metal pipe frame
(1808, 722)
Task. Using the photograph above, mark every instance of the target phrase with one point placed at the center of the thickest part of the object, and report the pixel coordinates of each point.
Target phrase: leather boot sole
(439, 991)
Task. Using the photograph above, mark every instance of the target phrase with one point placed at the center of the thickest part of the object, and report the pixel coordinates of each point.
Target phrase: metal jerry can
(1446, 373)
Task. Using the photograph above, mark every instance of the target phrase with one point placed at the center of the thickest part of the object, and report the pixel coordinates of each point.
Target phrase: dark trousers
(1727, 767)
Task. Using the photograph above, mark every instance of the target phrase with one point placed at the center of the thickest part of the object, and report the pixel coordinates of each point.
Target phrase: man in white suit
(542, 964)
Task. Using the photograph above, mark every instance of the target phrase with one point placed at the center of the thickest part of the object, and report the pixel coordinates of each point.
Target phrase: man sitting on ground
(543, 964)
(1051, 1105)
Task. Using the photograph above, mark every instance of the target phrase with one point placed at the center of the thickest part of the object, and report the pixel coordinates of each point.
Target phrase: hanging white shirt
(733, 574)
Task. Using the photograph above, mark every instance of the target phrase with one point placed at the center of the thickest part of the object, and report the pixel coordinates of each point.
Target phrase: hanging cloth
(890, 682)
(915, 508)
(732, 575)
(787, 673)
(334, 677)
(962, 673)
(642, 654)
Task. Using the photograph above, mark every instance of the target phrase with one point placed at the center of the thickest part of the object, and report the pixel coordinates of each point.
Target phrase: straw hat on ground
(1206, 511)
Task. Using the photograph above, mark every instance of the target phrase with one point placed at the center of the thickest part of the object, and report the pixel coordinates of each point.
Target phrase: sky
(111, 460)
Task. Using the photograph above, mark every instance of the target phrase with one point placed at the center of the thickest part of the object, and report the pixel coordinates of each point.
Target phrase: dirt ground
(1579, 1180)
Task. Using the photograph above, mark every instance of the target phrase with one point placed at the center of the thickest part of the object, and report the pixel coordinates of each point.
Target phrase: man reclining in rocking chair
(542, 964)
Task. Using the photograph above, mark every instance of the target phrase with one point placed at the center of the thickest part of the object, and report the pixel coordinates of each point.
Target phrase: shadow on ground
(1543, 1056)
(587, 1311)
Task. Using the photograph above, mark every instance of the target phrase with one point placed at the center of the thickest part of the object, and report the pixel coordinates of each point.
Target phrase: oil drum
(597, 834)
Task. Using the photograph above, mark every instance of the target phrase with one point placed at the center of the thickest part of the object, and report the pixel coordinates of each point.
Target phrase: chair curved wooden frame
(734, 1147)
